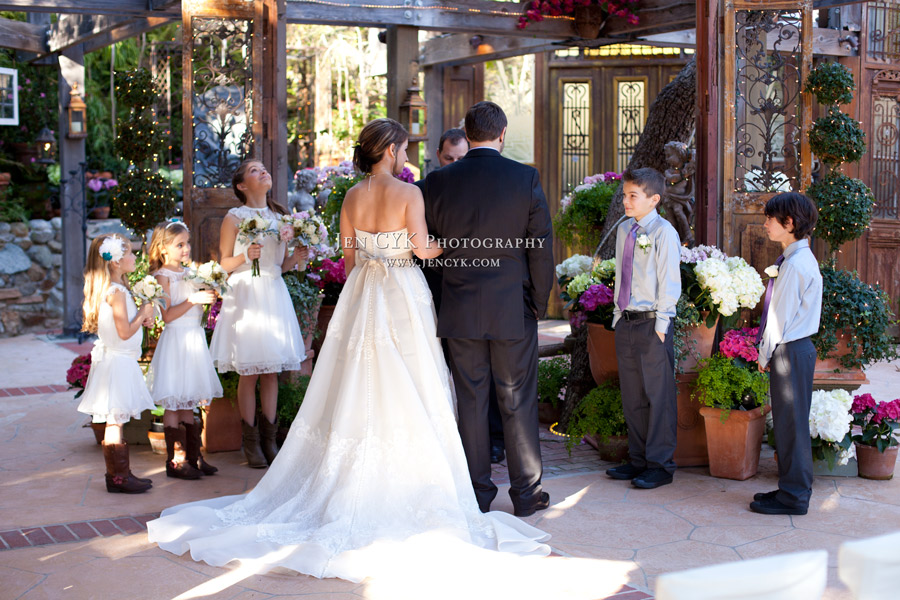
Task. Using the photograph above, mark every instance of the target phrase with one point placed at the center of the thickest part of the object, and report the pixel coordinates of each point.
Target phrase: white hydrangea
(732, 283)
(605, 269)
(829, 415)
(574, 265)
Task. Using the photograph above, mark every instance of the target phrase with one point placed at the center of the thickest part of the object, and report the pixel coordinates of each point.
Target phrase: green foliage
(140, 139)
(599, 413)
(142, 199)
(864, 311)
(229, 383)
(38, 101)
(831, 83)
(580, 223)
(553, 373)
(845, 208)
(305, 297)
(837, 138)
(135, 89)
(290, 397)
(727, 384)
(686, 317)
(12, 209)
(331, 214)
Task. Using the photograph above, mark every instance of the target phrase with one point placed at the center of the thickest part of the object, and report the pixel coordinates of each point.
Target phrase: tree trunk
(671, 119)
(580, 381)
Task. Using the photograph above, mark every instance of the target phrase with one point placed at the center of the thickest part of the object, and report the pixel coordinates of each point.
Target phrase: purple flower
(595, 296)
(95, 184)
(406, 175)
(43, 95)
(110, 184)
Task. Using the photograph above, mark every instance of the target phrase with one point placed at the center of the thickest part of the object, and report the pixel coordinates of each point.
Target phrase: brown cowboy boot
(177, 464)
(194, 458)
(267, 433)
(118, 477)
(252, 451)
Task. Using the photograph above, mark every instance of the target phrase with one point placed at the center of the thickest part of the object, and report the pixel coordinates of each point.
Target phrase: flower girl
(257, 333)
(115, 390)
(181, 374)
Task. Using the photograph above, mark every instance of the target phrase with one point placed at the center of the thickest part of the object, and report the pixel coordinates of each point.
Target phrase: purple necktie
(624, 296)
(765, 313)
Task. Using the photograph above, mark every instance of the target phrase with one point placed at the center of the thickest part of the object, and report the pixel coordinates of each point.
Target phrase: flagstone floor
(63, 536)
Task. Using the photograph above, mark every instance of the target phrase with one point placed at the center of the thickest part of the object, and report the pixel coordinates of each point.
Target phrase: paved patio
(63, 536)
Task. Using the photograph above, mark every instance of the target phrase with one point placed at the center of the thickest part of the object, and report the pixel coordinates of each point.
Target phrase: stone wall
(31, 295)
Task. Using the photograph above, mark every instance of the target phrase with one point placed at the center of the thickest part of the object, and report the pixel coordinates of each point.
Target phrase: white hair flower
(112, 249)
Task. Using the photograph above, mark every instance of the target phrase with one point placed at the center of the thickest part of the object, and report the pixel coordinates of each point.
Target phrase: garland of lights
(143, 197)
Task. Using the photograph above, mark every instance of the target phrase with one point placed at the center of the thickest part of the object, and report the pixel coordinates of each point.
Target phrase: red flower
(862, 403)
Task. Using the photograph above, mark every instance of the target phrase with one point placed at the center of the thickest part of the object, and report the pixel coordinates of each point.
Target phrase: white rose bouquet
(302, 229)
(149, 290)
(251, 231)
(830, 419)
(209, 275)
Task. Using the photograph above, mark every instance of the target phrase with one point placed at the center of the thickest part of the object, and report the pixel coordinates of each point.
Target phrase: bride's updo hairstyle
(376, 137)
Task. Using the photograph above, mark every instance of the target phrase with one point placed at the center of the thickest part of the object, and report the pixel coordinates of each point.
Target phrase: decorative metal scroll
(222, 98)
(630, 117)
(885, 156)
(767, 91)
(576, 130)
(884, 31)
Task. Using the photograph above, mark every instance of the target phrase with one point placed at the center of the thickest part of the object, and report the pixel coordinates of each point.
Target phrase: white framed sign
(9, 96)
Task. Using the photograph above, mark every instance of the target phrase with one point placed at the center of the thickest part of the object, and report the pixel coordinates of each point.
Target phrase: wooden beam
(70, 30)
(22, 36)
(830, 3)
(128, 30)
(137, 8)
(456, 49)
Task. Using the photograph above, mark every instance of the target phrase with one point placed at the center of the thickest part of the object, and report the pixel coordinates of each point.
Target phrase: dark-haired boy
(791, 312)
(648, 284)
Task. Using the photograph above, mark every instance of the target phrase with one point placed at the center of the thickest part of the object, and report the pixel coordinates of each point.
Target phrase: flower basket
(735, 444)
(874, 464)
(601, 344)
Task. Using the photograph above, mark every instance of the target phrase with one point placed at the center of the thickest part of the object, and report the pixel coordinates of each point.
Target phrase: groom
(492, 217)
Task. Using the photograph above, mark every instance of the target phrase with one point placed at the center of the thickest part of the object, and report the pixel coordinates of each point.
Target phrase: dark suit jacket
(432, 273)
(488, 198)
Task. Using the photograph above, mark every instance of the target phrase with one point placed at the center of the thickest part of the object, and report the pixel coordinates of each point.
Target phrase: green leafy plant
(552, 376)
(306, 298)
(12, 209)
(862, 310)
(686, 317)
(331, 214)
(142, 199)
(290, 397)
(837, 138)
(229, 382)
(831, 83)
(599, 413)
(580, 219)
(729, 384)
(845, 208)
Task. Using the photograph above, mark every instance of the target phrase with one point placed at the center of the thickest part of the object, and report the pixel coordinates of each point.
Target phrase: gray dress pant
(649, 395)
(791, 372)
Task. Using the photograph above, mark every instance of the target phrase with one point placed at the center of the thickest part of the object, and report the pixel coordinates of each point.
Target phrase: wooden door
(463, 87)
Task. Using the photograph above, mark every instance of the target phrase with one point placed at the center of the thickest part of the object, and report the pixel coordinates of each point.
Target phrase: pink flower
(887, 411)
(95, 184)
(862, 403)
(286, 233)
(110, 184)
(740, 343)
(43, 95)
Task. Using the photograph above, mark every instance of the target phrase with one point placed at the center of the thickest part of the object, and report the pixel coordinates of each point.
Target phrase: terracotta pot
(702, 336)
(99, 430)
(99, 212)
(326, 311)
(221, 425)
(547, 413)
(690, 447)
(157, 441)
(734, 445)
(874, 464)
(614, 449)
(601, 345)
(830, 374)
(588, 20)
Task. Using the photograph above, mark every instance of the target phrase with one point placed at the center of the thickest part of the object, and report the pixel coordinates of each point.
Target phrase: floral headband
(177, 222)
(112, 249)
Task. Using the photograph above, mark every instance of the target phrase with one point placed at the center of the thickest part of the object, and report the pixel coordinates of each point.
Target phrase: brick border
(32, 390)
(62, 533)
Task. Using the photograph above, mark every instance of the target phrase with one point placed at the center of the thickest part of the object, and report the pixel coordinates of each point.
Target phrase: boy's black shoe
(765, 495)
(625, 472)
(771, 506)
(497, 454)
(652, 478)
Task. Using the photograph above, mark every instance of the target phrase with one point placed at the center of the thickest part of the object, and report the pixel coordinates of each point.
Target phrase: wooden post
(402, 67)
(706, 184)
(434, 96)
(71, 155)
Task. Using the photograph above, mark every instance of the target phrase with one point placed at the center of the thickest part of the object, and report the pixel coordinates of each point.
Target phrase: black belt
(631, 315)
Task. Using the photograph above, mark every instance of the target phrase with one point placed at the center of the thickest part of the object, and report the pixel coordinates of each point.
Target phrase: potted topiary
(599, 420)
(733, 393)
(876, 446)
(552, 375)
(579, 221)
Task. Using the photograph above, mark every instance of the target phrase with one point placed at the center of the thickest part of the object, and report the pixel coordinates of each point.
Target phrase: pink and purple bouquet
(77, 375)
(302, 229)
(252, 230)
(876, 420)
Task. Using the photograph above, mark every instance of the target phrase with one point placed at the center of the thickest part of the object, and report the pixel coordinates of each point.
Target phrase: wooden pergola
(86, 25)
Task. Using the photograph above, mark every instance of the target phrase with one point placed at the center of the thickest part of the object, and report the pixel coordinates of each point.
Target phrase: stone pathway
(63, 536)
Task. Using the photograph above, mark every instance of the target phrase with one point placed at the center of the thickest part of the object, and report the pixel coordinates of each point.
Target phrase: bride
(373, 457)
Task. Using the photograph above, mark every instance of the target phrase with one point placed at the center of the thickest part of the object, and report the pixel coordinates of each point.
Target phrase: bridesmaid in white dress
(372, 474)
(257, 333)
(181, 375)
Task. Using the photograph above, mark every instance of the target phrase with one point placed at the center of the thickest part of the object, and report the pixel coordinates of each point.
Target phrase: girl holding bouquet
(115, 390)
(181, 375)
(257, 333)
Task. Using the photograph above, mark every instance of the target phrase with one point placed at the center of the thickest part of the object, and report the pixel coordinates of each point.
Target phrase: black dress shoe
(652, 478)
(765, 495)
(771, 506)
(541, 504)
(497, 454)
(625, 472)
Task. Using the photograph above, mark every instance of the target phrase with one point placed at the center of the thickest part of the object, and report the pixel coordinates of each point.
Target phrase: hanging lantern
(77, 115)
(46, 147)
(414, 114)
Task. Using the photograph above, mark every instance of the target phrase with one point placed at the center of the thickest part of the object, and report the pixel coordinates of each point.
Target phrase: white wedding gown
(373, 467)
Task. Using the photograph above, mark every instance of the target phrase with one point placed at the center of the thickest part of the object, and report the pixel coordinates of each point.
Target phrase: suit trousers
(649, 395)
(513, 366)
(790, 385)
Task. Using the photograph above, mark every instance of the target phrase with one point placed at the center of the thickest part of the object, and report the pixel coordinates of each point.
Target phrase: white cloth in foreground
(373, 457)
(802, 575)
(871, 567)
